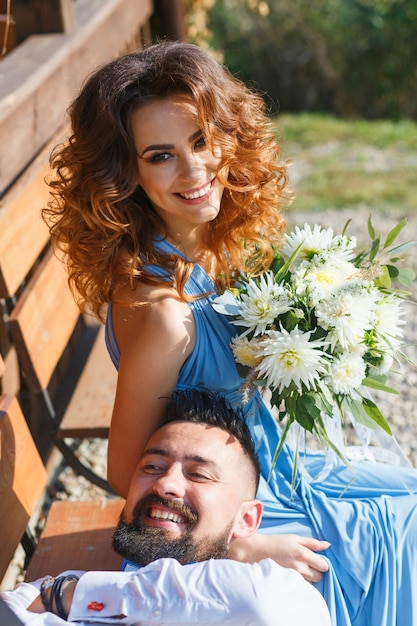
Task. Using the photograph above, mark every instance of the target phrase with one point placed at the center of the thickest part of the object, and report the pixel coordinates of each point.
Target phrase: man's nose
(171, 483)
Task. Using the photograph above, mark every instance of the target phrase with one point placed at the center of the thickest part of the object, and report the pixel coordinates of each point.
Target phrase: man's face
(186, 497)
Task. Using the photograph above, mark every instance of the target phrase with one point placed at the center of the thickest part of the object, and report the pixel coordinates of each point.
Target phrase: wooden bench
(53, 343)
(76, 535)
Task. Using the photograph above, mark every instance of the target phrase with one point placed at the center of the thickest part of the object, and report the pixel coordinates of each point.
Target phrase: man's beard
(142, 545)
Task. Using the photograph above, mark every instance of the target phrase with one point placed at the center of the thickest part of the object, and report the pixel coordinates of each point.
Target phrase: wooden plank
(42, 75)
(89, 411)
(7, 33)
(22, 478)
(77, 535)
(23, 234)
(42, 321)
(49, 16)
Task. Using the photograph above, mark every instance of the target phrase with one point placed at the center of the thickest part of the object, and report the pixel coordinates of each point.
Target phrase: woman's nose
(190, 166)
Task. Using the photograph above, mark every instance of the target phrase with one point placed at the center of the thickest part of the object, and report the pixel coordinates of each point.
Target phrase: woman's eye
(160, 157)
(200, 143)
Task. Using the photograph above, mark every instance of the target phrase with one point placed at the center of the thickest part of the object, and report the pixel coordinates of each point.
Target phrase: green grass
(350, 164)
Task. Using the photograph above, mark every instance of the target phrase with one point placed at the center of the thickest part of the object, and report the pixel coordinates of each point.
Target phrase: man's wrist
(57, 593)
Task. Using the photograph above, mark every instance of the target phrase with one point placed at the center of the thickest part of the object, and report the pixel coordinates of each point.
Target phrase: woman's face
(176, 169)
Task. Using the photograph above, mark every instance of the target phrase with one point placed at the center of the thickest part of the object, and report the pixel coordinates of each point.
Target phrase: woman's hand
(291, 551)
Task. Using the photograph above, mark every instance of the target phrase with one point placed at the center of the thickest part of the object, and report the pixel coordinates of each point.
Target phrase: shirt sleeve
(211, 592)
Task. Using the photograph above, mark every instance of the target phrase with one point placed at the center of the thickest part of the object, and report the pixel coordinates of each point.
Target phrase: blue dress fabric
(370, 521)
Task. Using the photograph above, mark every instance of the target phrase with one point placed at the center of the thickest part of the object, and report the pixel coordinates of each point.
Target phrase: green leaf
(376, 415)
(283, 271)
(371, 230)
(384, 278)
(325, 399)
(345, 227)
(374, 383)
(368, 414)
(402, 247)
(393, 271)
(306, 412)
(393, 234)
(406, 277)
(374, 249)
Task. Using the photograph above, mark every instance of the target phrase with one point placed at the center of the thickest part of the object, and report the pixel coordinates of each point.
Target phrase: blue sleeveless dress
(371, 523)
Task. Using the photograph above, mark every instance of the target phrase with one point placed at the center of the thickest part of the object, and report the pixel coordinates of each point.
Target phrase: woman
(169, 186)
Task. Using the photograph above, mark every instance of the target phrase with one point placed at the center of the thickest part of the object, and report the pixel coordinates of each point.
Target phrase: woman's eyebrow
(169, 146)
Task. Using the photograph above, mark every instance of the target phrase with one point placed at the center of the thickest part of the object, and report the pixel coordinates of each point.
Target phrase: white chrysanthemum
(262, 303)
(320, 278)
(312, 241)
(290, 357)
(346, 373)
(388, 321)
(317, 241)
(245, 351)
(347, 314)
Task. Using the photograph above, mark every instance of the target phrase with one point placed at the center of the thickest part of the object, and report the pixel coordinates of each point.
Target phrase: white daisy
(290, 357)
(346, 373)
(262, 303)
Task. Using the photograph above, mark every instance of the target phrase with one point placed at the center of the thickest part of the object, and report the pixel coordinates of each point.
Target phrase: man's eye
(197, 476)
(150, 468)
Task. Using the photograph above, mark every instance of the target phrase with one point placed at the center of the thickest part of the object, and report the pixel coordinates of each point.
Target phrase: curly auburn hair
(102, 220)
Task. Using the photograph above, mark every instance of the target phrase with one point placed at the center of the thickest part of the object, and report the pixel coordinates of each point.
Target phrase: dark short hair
(206, 407)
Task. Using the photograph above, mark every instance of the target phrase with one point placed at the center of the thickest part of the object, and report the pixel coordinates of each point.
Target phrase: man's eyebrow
(196, 458)
(169, 146)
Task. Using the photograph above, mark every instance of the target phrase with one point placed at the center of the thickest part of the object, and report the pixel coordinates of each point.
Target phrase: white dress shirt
(166, 593)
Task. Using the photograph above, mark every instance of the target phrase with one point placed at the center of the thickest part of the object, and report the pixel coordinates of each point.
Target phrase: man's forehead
(192, 434)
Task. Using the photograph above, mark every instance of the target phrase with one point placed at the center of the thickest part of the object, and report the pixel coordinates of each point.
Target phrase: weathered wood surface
(77, 536)
(23, 234)
(48, 16)
(89, 411)
(41, 76)
(22, 478)
(42, 322)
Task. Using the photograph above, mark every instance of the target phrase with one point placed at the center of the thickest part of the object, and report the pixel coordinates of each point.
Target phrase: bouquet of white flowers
(320, 325)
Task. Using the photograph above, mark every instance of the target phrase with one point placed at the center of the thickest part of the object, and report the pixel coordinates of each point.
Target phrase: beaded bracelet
(56, 595)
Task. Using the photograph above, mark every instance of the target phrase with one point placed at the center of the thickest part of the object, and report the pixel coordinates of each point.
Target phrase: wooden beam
(35, 17)
(42, 75)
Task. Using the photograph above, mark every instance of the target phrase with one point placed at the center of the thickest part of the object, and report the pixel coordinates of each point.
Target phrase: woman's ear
(248, 520)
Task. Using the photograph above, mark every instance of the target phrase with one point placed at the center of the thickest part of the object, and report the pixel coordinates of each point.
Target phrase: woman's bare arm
(154, 340)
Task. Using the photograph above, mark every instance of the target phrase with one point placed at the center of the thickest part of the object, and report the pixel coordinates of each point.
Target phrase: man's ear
(247, 522)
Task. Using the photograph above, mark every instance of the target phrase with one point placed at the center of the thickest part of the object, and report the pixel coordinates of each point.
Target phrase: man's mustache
(182, 509)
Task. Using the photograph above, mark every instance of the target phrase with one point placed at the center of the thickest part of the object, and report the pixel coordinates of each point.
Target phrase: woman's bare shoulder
(151, 309)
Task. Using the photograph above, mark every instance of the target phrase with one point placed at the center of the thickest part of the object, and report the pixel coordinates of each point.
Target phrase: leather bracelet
(46, 584)
(58, 591)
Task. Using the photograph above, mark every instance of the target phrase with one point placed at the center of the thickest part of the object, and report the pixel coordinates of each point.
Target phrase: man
(192, 495)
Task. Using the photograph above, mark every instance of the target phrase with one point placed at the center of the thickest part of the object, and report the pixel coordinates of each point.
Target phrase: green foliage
(350, 164)
(349, 57)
